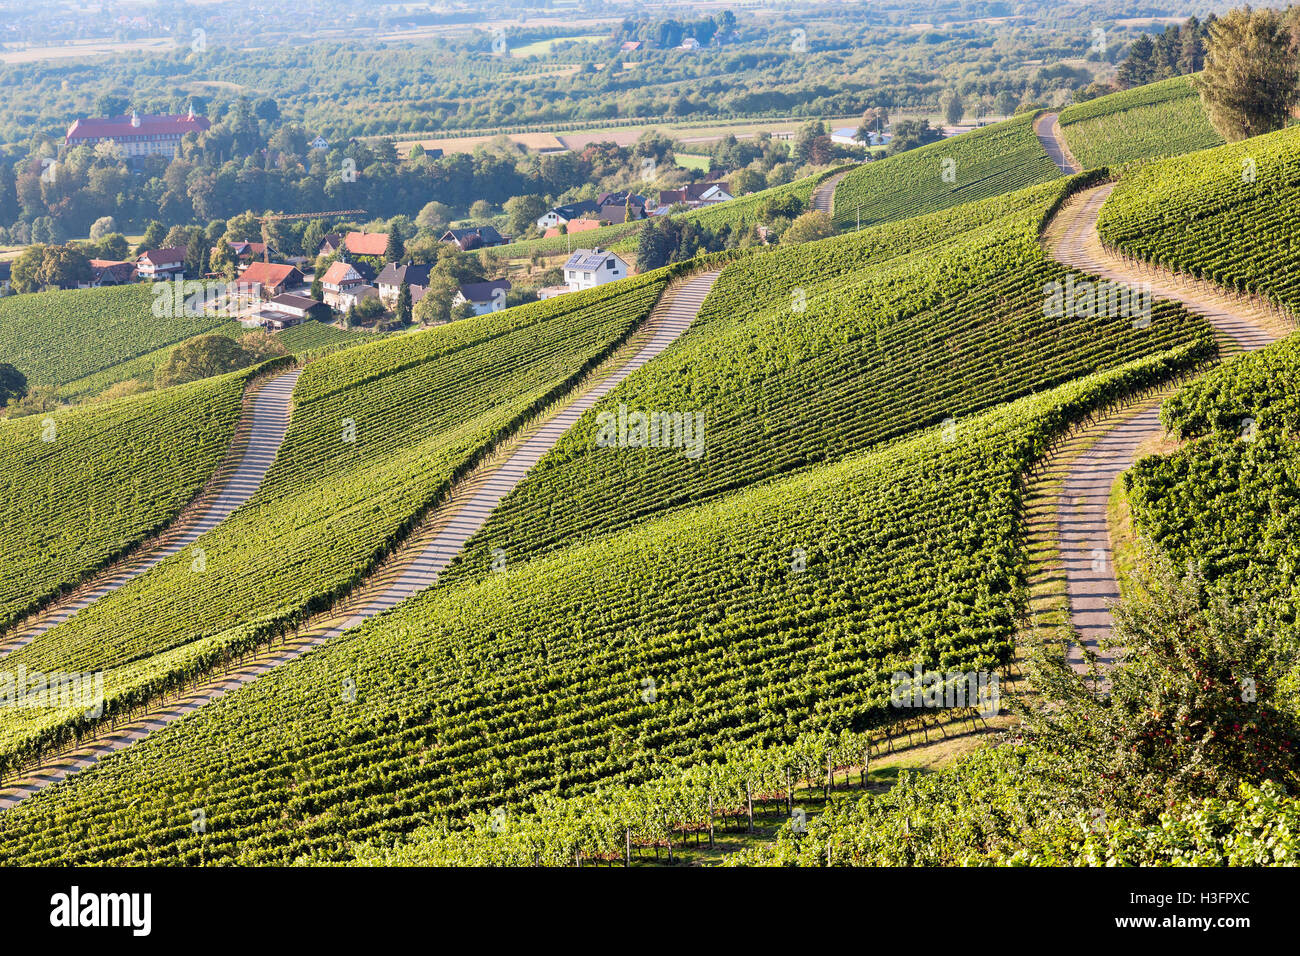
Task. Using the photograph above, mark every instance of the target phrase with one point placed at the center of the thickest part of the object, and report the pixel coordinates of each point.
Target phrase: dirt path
(1048, 129)
(257, 439)
(823, 197)
(421, 559)
(1082, 519)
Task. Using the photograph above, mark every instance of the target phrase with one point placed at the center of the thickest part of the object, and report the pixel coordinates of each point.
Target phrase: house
(137, 135)
(366, 243)
(477, 237)
(340, 277)
(587, 208)
(267, 280)
(283, 312)
(394, 274)
(690, 43)
(248, 251)
(630, 46)
(356, 295)
(575, 226)
(161, 263)
(483, 297)
(320, 142)
(297, 306)
(588, 268)
(615, 207)
(108, 272)
(330, 244)
(696, 195)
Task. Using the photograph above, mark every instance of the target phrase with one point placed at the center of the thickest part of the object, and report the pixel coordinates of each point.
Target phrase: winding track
(1082, 510)
(417, 564)
(1048, 130)
(257, 439)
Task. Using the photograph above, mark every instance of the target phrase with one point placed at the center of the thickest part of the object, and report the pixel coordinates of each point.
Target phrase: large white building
(137, 135)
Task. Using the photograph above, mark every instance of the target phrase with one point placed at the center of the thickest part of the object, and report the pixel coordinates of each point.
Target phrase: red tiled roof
(269, 274)
(119, 127)
(367, 243)
(337, 273)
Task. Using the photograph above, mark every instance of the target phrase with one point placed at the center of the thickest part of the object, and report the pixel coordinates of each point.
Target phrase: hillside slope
(985, 162)
(377, 436)
(807, 354)
(1191, 214)
(1159, 119)
(80, 487)
(658, 644)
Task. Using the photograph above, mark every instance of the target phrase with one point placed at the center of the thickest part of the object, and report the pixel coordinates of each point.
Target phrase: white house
(483, 297)
(588, 268)
(161, 263)
(573, 210)
(319, 143)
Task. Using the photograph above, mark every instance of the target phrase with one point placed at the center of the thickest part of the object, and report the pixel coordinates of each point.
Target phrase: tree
(107, 104)
(102, 226)
(1139, 66)
(201, 357)
(24, 271)
(1251, 79)
(63, 267)
(809, 227)
(154, 234)
(909, 134)
(313, 236)
(746, 181)
(435, 215)
(403, 310)
(317, 290)
(395, 248)
(480, 209)
(13, 384)
(1204, 702)
(1005, 102)
(223, 259)
(113, 246)
(952, 107)
(260, 345)
(436, 306)
(522, 213)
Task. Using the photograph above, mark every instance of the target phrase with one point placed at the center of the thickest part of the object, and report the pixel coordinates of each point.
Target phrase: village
(357, 278)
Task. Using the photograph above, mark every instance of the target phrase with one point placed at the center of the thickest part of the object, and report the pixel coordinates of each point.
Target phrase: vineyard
(1159, 119)
(807, 354)
(378, 434)
(1189, 213)
(82, 486)
(1229, 499)
(985, 162)
(753, 620)
(58, 337)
